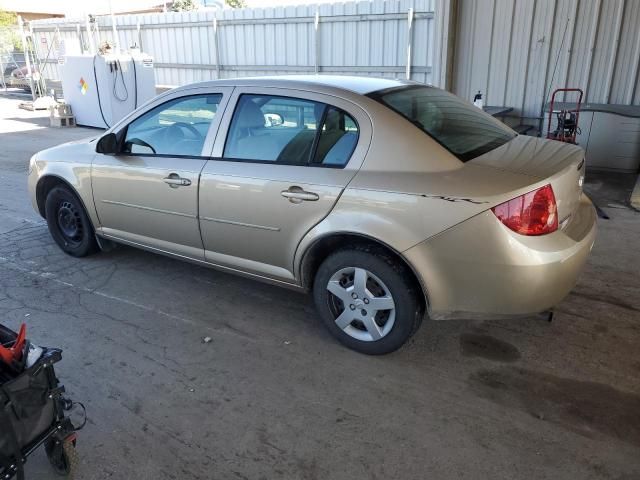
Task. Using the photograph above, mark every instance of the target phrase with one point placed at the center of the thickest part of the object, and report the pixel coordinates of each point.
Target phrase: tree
(236, 3)
(9, 38)
(183, 5)
(8, 19)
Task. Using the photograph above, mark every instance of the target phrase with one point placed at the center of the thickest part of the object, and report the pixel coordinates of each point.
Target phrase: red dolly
(567, 126)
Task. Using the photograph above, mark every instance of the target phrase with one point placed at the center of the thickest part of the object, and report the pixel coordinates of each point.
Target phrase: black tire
(63, 457)
(398, 280)
(68, 223)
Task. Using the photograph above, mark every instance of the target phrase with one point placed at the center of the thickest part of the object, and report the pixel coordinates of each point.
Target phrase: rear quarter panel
(403, 209)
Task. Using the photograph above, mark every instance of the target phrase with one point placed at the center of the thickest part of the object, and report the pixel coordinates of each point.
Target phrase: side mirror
(108, 145)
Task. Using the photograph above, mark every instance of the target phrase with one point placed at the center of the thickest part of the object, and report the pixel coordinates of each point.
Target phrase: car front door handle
(174, 181)
(298, 195)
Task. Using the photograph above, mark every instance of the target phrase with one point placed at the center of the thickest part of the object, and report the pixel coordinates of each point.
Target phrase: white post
(4, 85)
(216, 54)
(91, 45)
(116, 43)
(316, 37)
(96, 27)
(79, 33)
(409, 41)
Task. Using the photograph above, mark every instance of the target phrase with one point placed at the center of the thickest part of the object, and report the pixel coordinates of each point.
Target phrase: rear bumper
(480, 268)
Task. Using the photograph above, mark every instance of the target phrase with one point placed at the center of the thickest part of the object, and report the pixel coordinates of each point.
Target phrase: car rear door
(274, 175)
(148, 194)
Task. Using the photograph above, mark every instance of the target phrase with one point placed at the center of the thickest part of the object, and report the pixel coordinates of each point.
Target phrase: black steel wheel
(68, 223)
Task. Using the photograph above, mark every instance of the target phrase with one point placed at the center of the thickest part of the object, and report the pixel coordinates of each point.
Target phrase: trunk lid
(560, 164)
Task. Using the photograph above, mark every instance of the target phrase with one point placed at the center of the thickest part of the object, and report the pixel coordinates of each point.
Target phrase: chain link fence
(12, 60)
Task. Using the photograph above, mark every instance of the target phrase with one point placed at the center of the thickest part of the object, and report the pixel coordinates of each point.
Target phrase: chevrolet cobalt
(389, 200)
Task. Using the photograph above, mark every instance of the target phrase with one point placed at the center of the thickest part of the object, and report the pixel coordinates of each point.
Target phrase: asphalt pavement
(273, 396)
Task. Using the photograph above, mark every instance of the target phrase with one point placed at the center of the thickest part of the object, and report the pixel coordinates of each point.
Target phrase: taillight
(534, 213)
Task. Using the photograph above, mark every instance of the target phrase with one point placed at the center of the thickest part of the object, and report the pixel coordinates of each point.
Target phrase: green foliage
(8, 18)
(183, 5)
(9, 37)
(236, 3)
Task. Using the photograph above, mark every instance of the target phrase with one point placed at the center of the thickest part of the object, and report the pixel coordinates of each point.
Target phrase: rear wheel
(68, 223)
(367, 300)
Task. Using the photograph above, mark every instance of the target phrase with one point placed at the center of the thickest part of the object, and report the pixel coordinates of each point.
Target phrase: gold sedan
(387, 199)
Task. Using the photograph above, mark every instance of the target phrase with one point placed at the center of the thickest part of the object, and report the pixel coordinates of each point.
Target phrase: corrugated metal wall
(514, 51)
(363, 38)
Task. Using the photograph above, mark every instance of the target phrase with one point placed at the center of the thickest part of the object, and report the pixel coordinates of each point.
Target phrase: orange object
(14, 353)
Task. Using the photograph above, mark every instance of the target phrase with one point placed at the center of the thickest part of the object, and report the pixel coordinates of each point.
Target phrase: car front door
(148, 194)
(280, 162)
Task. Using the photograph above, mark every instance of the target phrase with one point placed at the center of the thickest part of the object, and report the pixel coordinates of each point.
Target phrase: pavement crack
(605, 299)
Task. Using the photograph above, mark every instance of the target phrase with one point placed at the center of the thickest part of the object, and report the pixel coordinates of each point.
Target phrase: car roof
(358, 85)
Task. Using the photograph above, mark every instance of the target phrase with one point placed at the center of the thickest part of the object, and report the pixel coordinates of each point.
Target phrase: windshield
(464, 130)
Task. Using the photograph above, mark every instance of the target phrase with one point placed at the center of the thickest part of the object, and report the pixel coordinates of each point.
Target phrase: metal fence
(378, 38)
(10, 59)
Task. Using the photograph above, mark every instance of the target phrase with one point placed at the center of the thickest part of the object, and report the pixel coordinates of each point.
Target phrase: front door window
(176, 128)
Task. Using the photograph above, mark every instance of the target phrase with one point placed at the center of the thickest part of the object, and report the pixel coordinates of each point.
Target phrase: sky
(274, 3)
(75, 7)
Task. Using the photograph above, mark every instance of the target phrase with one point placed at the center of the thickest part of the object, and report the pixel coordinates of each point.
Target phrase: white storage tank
(102, 89)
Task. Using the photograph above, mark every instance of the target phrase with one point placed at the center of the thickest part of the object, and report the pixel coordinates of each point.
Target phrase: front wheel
(68, 223)
(367, 300)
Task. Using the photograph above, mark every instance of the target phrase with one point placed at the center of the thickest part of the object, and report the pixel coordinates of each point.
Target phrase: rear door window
(290, 131)
(273, 129)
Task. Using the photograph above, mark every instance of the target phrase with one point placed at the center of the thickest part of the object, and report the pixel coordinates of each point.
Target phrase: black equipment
(32, 412)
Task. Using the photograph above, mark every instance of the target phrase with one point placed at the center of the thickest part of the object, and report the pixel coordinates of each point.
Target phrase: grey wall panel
(625, 75)
(605, 50)
(519, 47)
(538, 57)
(516, 51)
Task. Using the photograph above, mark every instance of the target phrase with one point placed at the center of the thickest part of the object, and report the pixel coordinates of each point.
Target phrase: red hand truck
(567, 124)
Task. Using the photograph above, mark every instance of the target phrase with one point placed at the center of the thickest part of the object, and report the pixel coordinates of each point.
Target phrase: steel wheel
(70, 223)
(362, 305)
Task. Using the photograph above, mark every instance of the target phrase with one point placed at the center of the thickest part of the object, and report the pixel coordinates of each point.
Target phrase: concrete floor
(274, 396)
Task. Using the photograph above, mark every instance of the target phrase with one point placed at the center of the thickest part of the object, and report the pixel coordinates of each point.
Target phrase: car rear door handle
(296, 195)
(174, 181)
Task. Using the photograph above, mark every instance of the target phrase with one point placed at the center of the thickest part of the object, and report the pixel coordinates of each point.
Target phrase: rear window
(464, 130)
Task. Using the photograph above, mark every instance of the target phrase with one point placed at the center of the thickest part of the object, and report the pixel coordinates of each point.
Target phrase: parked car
(385, 198)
